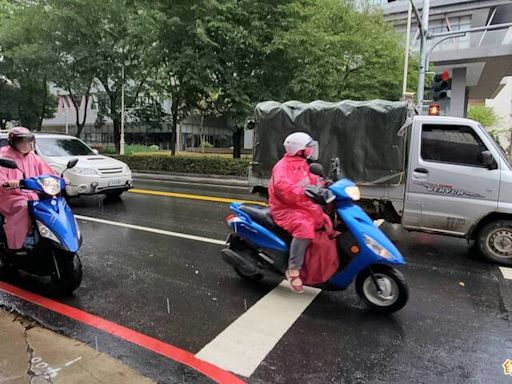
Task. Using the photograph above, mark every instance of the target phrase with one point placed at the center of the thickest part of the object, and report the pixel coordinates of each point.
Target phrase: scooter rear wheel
(392, 294)
(255, 277)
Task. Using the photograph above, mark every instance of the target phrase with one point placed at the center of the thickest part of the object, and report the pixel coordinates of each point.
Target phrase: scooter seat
(262, 216)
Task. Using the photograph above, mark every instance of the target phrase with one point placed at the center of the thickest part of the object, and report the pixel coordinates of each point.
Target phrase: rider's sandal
(296, 284)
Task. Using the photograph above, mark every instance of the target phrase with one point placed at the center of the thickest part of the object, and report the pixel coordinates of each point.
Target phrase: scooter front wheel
(69, 276)
(382, 288)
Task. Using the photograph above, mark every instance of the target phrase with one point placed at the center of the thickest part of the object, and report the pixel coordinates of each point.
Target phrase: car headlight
(353, 192)
(50, 186)
(45, 232)
(84, 171)
(377, 248)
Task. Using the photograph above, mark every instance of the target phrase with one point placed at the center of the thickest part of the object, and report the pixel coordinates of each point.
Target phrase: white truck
(455, 180)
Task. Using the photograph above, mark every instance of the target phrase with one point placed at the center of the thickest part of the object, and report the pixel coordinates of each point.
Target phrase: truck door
(448, 185)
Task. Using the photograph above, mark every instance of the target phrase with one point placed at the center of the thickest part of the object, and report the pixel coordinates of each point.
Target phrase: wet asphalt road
(455, 328)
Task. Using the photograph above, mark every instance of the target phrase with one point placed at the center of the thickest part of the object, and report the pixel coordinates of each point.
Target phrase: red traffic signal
(440, 86)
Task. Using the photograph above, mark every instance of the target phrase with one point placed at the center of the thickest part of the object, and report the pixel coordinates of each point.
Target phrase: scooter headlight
(50, 186)
(377, 248)
(45, 232)
(353, 192)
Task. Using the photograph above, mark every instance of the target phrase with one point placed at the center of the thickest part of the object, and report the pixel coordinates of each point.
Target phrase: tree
(101, 47)
(24, 66)
(335, 52)
(183, 53)
(484, 115)
(247, 68)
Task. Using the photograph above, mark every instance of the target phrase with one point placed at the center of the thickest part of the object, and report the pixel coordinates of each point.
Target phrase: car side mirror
(95, 151)
(7, 163)
(488, 160)
(317, 169)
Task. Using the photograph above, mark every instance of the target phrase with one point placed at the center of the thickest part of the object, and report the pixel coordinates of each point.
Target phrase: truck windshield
(497, 145)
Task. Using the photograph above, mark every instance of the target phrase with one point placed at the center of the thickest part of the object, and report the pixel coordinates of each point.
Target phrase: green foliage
(334, 52)
(484, 115)
(24, 66)
(205, 56)
(182, 164)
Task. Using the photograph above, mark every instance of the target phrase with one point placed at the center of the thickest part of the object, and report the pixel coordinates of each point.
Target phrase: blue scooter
(51, 249)
(365, 252)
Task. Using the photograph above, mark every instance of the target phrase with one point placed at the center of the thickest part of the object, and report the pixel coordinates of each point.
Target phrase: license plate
(115, 182)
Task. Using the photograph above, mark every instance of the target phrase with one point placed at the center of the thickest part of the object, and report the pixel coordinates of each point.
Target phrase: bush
(182, 164)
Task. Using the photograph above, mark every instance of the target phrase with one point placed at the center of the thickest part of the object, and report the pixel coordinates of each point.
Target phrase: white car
(93, 174)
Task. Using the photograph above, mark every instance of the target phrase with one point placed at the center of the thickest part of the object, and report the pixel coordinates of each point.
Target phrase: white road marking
(152, 230)
(243, 345)
(507, 272)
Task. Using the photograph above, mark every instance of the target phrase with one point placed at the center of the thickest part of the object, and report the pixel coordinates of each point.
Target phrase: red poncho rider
(290, 208)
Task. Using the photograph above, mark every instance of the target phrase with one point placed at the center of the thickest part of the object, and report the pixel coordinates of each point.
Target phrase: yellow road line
(194, 197)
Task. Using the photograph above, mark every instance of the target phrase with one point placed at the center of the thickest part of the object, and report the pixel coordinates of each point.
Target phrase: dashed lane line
(151, 230)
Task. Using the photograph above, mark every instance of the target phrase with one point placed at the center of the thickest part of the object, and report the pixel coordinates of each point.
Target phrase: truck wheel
(495, 242)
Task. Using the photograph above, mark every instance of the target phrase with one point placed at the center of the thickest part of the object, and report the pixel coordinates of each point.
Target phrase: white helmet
(299, 141)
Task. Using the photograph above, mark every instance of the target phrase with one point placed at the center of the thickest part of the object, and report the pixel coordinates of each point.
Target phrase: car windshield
(53, 147)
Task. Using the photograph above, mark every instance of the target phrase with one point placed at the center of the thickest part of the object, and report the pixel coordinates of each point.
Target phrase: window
(62, 147)
(3, 142)
(454, 144)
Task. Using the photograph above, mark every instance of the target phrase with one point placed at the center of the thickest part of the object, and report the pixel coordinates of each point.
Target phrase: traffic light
(434, 109)
(440, 86)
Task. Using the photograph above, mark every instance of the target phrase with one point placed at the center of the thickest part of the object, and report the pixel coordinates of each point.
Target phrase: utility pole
(407, 46)
(423, 52)
(121, 141)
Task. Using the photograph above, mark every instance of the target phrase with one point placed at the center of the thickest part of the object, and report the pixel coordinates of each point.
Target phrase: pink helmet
(18, 134)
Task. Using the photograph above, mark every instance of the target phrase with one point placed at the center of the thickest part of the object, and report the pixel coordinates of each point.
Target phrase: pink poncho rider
(13, 201)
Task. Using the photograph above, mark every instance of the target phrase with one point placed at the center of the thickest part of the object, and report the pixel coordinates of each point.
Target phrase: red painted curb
(174, 353)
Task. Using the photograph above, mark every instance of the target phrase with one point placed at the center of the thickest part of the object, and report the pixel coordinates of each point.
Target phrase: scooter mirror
(7, 163)
(317, 169)
(72, 163)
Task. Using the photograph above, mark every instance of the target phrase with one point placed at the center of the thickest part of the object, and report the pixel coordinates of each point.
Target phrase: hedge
(182, 164)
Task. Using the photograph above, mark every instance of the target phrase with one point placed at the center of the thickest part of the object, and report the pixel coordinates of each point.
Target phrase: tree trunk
(117, 133)
(43, 106)
(237, 142)
(173, 133)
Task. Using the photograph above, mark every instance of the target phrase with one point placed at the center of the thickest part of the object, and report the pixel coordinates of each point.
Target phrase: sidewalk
(232, 181)
(31, 354)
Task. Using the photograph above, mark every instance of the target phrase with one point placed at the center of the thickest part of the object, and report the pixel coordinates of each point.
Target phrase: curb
(232, 181)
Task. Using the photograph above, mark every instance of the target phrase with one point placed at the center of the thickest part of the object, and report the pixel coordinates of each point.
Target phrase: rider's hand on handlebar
(12, 184)
(319, 195)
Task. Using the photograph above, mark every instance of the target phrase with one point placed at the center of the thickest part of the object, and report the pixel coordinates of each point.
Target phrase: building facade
(478, 61)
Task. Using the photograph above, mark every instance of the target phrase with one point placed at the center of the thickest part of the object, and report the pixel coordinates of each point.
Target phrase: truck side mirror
(317, 169)
(488, 160)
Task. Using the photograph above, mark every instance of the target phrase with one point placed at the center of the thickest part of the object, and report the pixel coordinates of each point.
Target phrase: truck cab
(459, 183)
